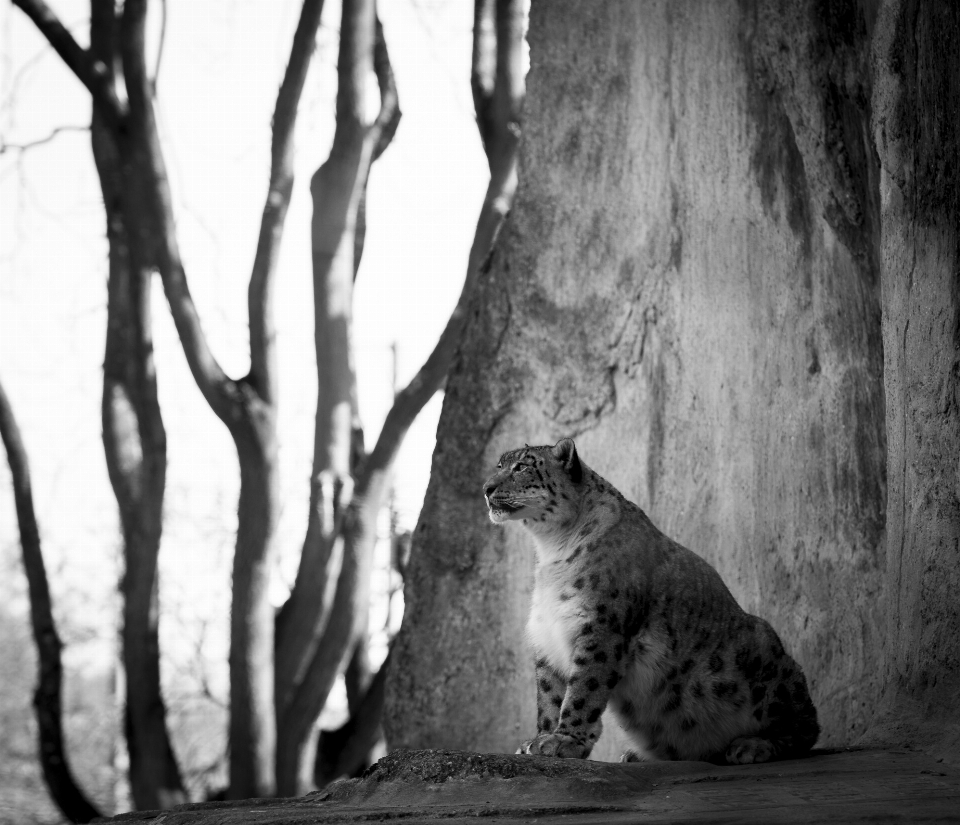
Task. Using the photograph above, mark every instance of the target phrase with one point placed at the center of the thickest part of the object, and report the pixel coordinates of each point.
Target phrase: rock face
(916, 128)
(690, 285)
(731, 273)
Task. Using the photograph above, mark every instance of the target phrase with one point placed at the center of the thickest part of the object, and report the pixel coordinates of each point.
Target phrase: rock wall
(917, 133)
(690, 284)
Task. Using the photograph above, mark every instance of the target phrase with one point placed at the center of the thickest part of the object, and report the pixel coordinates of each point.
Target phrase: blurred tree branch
(161, 42)
(56, 770)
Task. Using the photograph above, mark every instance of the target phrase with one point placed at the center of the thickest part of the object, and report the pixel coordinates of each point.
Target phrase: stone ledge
(844, 786)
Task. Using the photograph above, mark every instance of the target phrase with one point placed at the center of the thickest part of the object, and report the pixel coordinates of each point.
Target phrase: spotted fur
(624, 617)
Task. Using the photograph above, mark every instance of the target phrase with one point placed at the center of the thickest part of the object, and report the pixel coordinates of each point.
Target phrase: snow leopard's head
(535, 483)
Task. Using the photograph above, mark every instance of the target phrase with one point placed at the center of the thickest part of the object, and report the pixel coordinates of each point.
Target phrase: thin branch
(262, 368)
(371, 476)
(291, 87)
(496, 76)
(18, 77)
(201, 664)
(508, 92)
(56, 771)
(382, 132)
(357, 36)
(160, 45)
(222, 394)
(483, 66)
(501, 123)
(23, 147)
(388, 119)
(93, 75)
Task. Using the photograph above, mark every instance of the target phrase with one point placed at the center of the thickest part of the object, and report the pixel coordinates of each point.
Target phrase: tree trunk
(302, 686)
(916, 102)
(252, 731)
(688, 284)
(246, 406)
(53, 761)
(135, 448)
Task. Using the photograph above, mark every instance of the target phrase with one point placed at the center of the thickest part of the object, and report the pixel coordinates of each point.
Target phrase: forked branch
(217, 389)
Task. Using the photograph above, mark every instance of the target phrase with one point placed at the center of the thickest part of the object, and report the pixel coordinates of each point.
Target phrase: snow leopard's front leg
(597, 668)
(550, 691)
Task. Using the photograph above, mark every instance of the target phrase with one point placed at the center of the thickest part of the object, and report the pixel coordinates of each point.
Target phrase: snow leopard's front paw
(630, 755)
(748, 750)
(555, 744)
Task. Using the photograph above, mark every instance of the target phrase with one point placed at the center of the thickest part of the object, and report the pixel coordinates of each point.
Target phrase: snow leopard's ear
(565, 451)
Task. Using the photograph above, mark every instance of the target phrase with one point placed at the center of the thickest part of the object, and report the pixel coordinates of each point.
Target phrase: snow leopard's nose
(489, 488)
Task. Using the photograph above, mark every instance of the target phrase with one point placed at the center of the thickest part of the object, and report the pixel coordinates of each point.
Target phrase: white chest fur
(554, 622)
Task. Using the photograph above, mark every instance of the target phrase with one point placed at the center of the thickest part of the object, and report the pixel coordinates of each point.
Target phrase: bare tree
(245, 405)
(317, 637)
(56, 770)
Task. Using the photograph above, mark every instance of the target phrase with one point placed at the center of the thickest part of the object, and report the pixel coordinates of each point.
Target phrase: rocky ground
(844, 786)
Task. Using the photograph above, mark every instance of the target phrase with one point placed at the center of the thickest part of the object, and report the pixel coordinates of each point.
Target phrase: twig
(388, 119)
(28, 65)
(23, 147)
(163, 40)
(262, 331)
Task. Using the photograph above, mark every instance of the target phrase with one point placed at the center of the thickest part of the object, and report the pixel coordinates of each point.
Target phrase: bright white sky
(222, 65)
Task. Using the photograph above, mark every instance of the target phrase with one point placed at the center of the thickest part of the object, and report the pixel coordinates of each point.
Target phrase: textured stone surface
(689, 285)
(917, 132)
(416, 786)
